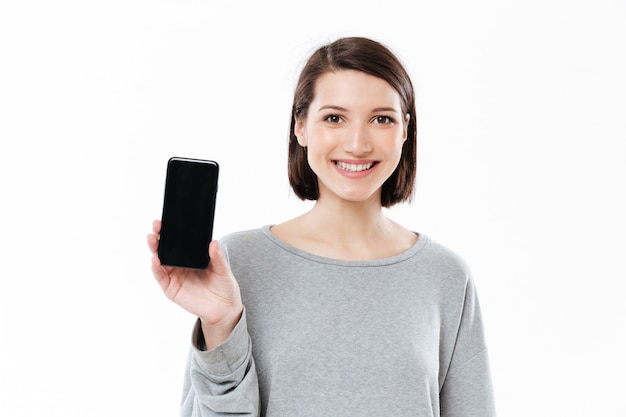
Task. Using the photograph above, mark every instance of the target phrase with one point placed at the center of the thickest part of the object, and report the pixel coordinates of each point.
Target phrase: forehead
(349, 88)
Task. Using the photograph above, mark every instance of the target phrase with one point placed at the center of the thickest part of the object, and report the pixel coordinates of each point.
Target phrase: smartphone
(188, 212)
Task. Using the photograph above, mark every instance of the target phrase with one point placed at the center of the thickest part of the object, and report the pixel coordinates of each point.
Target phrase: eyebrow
(339, 108)
(332, 107)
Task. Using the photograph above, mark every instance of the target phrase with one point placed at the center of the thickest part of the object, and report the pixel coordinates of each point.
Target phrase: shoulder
(242, 240)
(240, 236)
(443, 262)
(437, 252)
(250, 246)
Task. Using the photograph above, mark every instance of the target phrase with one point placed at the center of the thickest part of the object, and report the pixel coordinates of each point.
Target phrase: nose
(357, 141)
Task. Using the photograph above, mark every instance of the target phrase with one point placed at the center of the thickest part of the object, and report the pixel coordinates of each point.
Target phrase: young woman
(340, 311)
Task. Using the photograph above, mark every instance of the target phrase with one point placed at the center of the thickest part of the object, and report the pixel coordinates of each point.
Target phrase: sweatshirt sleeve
(221, 381)
(467, 387)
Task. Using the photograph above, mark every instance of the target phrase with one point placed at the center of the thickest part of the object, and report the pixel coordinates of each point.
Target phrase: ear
(405, 134)
(300, 133)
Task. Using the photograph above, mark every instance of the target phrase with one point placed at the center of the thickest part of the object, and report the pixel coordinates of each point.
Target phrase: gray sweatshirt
(400, 336)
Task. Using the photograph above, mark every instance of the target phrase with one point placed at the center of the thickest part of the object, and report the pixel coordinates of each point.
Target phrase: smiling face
(353, 131)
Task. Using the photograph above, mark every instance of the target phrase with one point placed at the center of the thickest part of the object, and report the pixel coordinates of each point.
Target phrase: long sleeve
(467, 389)
(223, 380)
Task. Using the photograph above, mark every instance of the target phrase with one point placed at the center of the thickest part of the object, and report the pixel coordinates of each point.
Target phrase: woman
(340, 311)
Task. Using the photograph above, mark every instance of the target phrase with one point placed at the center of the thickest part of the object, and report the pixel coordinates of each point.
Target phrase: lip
(355, 174)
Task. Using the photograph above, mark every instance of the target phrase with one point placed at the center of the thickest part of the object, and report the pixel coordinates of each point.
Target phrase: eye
(382, 120)
(333, 118)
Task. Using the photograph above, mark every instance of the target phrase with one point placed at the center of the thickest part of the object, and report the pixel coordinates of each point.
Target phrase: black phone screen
(188, 212)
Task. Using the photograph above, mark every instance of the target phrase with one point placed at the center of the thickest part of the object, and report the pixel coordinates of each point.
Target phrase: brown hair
(373, 58)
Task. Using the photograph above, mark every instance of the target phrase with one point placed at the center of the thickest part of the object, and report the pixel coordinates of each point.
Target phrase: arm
(221, 378)
(467, 391)
(221, 381)
(467, 388)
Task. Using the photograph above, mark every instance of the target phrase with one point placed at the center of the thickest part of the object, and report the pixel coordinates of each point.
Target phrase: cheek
(396, 143)
(320, 140)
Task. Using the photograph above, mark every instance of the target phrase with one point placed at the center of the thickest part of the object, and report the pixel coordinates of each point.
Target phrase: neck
(341, 229)
(345, 221)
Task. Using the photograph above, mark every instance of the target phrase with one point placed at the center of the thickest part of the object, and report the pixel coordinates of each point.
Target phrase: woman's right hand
(211, 294)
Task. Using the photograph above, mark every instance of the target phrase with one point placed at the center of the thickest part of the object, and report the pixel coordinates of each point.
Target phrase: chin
(356, 197)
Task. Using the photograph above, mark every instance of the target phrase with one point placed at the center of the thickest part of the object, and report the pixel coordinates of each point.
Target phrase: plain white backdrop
(522, 171)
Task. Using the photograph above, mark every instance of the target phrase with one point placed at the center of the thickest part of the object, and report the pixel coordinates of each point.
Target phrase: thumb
(219, 263)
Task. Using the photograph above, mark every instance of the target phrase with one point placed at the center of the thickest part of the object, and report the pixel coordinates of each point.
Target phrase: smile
(354, 167)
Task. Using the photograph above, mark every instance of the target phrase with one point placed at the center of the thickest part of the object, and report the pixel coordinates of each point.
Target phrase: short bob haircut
(373, 58)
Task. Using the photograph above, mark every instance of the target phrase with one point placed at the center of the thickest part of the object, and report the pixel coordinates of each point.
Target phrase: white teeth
(354, 167)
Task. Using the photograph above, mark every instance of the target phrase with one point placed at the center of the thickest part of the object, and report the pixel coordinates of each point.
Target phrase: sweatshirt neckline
(403, 256)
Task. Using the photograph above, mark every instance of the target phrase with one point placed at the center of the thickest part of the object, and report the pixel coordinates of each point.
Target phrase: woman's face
(354, 131)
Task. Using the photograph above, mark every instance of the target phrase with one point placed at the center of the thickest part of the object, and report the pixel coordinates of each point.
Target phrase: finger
(159, 273)
(218, 264)
(156, 227)
(153, 244)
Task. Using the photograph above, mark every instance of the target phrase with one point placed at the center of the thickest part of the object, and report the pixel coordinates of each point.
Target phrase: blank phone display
(188, 212)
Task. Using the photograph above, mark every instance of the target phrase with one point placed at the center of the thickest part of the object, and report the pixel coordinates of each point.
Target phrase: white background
(522, 171)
